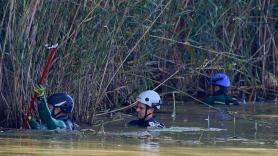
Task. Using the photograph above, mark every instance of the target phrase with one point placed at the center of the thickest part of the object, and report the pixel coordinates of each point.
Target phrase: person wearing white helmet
(147, 102)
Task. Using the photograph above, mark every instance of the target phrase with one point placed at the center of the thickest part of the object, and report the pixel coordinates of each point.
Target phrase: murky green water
(190, 133)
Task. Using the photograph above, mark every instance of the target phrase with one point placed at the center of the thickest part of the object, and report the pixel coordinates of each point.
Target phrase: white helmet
(150, 98)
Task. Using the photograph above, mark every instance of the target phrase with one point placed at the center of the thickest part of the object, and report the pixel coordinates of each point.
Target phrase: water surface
(196, 130)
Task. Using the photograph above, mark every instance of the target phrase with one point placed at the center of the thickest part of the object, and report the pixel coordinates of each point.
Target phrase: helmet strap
(53, 114)
(222, 90)
(146, 115)
(63, 117)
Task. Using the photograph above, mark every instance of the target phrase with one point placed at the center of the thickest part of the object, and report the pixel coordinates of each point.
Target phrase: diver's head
(60, 104)
(147, 102)
(219, 83)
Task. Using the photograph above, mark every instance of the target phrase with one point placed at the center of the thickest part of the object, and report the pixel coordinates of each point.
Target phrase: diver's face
(141, 111)
(213, 89)
(56, 109)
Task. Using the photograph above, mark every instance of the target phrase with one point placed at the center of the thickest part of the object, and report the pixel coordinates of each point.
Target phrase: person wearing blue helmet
(54, 111)
(218, 94)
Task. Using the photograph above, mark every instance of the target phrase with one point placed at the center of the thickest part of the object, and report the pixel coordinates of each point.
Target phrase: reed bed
(111, 50)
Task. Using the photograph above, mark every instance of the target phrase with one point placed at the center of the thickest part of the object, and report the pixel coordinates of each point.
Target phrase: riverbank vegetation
(110, 50)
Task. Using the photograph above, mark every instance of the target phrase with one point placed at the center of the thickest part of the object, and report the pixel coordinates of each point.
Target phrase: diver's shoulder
(155, 124)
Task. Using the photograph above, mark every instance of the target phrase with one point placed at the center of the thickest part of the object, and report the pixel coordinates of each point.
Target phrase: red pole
(33, 98)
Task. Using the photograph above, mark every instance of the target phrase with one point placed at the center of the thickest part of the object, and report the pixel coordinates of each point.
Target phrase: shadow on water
(195, 130)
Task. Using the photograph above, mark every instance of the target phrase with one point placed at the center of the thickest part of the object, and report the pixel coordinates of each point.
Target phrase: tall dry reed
(111, 50)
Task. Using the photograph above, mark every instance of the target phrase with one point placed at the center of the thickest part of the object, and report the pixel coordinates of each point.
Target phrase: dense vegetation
(110, 50)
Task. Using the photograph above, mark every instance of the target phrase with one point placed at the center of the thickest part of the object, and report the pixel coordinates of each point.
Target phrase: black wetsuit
(152, 123)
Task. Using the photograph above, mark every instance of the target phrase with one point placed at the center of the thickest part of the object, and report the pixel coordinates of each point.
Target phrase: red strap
(32, 102)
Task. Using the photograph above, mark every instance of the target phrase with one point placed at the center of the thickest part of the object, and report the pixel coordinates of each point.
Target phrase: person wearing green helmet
(147, 102)
(218, 94)
(54, 111)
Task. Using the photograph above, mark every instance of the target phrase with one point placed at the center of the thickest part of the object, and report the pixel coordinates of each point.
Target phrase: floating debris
(266, 116)
(236, 139)
(140, 134)
(188, 129)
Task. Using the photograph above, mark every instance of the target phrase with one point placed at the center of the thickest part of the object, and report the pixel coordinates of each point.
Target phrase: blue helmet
(220, 80)
(61, 100)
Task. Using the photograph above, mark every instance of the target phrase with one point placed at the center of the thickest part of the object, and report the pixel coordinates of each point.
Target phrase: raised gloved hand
(39, 90)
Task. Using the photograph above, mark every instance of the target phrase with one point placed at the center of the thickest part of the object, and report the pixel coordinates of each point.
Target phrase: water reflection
(145, 147)
(150, 146)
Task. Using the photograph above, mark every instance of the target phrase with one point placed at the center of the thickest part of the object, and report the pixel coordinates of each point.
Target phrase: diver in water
(54, 111)
(219, 84)
(147, 103)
